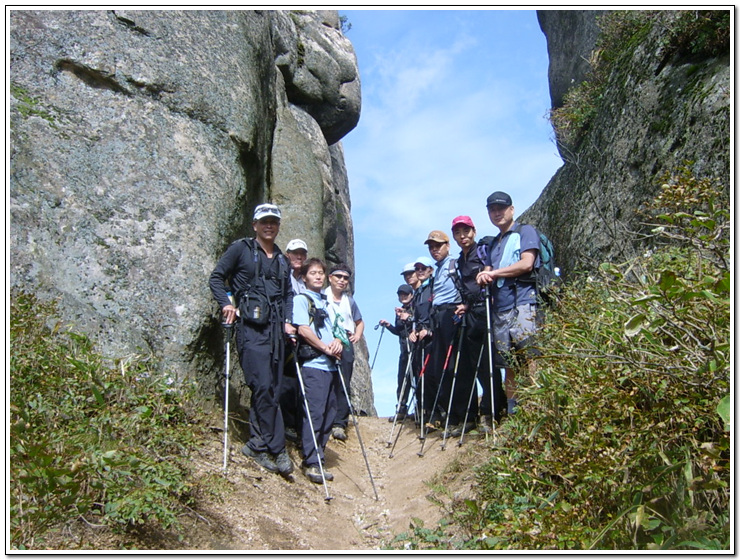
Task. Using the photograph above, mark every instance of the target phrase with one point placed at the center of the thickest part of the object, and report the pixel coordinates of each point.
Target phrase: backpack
(254, 307)
(305, 351)
(545, 275)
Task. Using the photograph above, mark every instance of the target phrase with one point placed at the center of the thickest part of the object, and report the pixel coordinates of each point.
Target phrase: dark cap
(499, 198)
(405, 289)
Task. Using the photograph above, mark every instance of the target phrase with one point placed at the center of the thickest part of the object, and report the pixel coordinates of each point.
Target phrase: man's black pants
(443, 350)
(263, 374)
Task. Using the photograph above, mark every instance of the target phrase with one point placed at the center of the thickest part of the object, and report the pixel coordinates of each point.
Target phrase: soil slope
(263, 511)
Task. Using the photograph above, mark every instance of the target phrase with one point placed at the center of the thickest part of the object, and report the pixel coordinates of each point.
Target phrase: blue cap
(426, 261)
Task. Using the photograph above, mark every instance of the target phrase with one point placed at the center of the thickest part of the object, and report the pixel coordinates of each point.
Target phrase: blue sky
(454, 107)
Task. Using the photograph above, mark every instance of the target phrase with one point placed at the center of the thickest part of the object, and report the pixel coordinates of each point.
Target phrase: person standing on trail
(297, 252)
(469, 264)
(421, 334)
(512, 257)
(348, 326)
(402, 329)
(290, 393)
(319, 370)
(446, 302)
(258, 275)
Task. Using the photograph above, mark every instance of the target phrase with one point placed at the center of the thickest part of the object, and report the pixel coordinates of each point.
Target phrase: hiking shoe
(337, 432)
(262, 458)
(484, 425)
(429, 427)
(314, 474)
(283, 463)
(457, 429)
(452, 431)
(292, 435)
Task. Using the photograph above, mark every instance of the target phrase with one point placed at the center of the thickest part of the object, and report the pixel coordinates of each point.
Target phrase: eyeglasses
(341, 277)
(420, 268)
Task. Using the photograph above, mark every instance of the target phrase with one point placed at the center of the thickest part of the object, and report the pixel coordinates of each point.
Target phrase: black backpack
(545, 275)
(316, 317)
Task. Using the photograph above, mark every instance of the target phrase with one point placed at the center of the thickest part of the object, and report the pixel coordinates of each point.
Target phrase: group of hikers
(295, 334)
(294, 338)
(459, 315)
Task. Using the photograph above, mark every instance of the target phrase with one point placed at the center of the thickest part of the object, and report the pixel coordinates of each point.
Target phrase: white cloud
(449, 115)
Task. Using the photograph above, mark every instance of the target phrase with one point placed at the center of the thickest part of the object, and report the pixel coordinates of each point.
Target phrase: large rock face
(661, 107)
(141, 142)
(571, 37)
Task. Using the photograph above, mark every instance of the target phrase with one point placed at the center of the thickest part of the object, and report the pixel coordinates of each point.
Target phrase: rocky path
(262, 511)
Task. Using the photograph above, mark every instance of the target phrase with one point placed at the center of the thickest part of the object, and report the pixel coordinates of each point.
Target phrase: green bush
(89, 441)
(621, 444)
(622, 439)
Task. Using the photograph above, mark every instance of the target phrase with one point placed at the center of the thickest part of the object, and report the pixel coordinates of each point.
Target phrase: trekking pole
(395, 441)
(403, 390)
(379, 341)
(492, 377)
(470, 398)
(328, 498)
(452, 389)
(420, 404)
(357, 429)
(227, 362)
(434, 406)
(441, 380)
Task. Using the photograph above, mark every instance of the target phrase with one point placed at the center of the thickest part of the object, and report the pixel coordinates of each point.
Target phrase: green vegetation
(688, 33)
(105, 445)
(29, 106)
(622, 440)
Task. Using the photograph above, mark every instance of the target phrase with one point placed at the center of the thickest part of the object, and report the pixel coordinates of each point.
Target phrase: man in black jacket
(258, 274)
(402, 329)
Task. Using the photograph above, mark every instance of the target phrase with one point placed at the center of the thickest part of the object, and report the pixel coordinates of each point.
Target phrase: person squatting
(294, 337)
(465, 319)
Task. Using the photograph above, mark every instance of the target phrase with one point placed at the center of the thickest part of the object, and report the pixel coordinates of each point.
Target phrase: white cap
(408, 268)
(265, 211)
(295, 244)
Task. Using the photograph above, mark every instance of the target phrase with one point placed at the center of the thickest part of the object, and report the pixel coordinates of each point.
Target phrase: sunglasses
(420, 268)
(341, 277)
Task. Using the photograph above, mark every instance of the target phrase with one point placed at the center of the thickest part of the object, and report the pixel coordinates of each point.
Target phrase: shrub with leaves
(90, 441)
(622, 440)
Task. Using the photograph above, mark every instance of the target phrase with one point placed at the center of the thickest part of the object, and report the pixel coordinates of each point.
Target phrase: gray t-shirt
(506, 250)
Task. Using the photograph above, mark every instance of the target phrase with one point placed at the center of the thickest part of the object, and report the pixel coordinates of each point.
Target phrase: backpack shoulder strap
(311, 307)
(455, 275)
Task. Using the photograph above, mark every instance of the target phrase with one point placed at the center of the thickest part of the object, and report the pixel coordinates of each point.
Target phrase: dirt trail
(263, 511)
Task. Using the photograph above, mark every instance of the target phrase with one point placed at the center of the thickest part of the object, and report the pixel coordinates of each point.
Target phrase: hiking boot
(328, 475)
(314, 474)
(262, 458)
(337, 432)
(283, 463)
(452, 431)
(484, 425)
(467, 428)
(292, 435)
(432, 427)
